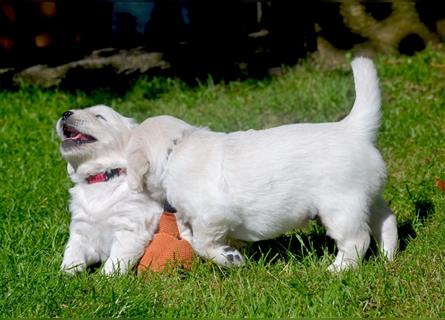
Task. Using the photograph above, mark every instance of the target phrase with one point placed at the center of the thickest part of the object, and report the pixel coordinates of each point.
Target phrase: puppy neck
(86, 171)
(105, 176)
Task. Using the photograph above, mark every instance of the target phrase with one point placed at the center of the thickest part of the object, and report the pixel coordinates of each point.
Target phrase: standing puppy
(256, 185)
(108, 222)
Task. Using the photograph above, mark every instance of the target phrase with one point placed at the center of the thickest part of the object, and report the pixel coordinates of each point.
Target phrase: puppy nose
(66, 115)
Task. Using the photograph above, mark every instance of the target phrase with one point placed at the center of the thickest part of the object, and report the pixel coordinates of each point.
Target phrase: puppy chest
(98, 221)
(93, 234)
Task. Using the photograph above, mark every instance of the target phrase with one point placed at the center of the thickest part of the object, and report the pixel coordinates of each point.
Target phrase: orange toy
(167, 249)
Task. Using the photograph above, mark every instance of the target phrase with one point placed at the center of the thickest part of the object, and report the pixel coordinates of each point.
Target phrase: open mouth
(71, 135)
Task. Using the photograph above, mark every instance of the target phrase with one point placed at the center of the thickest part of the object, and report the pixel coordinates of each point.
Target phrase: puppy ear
(70, 169)
(137, 166)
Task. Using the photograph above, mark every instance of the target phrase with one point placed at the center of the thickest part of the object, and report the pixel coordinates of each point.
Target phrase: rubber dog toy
(167, 250)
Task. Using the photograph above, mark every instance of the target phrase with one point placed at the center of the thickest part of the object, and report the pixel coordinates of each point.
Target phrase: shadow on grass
(300, 245)
(424, 208)
(295, 245)
(94, 268)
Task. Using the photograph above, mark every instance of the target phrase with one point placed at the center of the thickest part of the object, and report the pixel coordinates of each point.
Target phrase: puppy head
(90, 133)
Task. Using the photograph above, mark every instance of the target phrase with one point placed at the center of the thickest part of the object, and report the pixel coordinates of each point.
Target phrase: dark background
(196, 37)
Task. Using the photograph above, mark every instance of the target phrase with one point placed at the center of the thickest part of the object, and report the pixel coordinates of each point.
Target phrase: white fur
(256, 185)
(108, 222)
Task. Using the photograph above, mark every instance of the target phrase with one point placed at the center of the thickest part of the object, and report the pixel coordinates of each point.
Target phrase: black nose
(66, 115)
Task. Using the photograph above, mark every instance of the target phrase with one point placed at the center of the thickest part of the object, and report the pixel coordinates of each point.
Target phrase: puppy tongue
(77, 136)
(80, 137)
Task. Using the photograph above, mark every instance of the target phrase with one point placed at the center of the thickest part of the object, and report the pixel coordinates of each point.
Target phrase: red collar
(105, 176)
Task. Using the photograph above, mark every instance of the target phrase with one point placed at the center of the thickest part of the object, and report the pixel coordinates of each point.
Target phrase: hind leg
(351, 249)
(383, 226)
(348, 227)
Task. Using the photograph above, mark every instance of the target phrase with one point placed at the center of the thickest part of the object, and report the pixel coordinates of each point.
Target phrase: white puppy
(256, 185)
(109, 223)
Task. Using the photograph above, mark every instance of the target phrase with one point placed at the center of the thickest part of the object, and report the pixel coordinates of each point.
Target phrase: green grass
(282, 278)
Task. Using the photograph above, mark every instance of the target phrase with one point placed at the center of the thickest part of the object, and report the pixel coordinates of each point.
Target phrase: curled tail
(364, 117)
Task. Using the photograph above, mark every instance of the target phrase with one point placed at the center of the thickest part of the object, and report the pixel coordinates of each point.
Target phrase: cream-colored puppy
(256, 185)
(109, 223)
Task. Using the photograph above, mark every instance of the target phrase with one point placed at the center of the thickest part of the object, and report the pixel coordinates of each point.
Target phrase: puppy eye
(99, 116)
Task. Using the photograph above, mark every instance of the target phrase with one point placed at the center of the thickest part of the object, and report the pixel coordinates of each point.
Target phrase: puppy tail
(364, 117)
(137, 167)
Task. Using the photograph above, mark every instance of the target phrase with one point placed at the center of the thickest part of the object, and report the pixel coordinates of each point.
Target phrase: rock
(121, 61)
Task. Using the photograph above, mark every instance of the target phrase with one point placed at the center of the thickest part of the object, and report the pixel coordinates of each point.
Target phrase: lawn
(286, 277)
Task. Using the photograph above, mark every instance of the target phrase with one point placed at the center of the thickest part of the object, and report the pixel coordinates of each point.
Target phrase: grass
(282, 278)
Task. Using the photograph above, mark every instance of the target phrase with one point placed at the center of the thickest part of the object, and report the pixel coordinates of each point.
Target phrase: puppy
(256, 185)
(109, 223)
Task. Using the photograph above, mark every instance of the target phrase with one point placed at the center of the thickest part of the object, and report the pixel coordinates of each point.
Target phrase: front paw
(72, 268)
(115, 267)
(233, 257)
(227, 256)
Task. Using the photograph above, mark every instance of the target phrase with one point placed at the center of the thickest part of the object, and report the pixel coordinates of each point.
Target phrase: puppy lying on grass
(256, 185)
(109, 223)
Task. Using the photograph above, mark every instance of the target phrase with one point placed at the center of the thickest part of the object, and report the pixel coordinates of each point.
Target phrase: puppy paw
(72, 268)
(114, 266)
(341, 266)
(229, 257)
